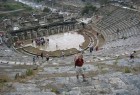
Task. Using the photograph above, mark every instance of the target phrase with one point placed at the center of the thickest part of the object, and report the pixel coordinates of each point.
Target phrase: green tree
(46, 10)
(88, 9)
(4, 0)
(83, 0)
(103, 2)
(38, 1)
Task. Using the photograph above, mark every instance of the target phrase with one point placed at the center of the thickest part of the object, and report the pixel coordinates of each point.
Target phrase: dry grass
(3, 79)
(29, 75)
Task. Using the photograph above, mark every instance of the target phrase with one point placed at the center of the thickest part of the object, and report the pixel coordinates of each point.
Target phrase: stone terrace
(119, 24)
(104, 75)
(57, 77)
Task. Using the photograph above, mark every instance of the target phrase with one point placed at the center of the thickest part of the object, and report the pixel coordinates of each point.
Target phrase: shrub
(3, 80)
(88, 9)
(46, 10)
(13, 6)
(29, 72)
(108, 14)
(23, 76)
(17, 76)
(127, 70)
(55, 91)
(116, 61)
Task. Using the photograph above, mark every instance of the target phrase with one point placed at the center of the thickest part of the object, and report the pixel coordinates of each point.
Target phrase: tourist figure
(91, 48)
(41, 55)
(34, 59)
(56, 46)
(47, 57)
(42, 41)
(63, 54)
(81, 50)
(32, 40)
(97, 34)
(97, 16)
(79, 46)
(78, 65)
(47, 40)
(132, 56)
(37, 55)
(83, 24)
(37, 42)
(96, 48)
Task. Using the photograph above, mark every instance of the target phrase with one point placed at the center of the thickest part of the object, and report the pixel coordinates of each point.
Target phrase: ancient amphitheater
(114, 31)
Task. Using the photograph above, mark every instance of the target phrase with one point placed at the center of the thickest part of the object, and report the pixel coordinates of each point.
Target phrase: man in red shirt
(78, 65)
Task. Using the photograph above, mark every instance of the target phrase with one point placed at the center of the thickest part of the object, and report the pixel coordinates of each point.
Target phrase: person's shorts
(79, 70)
(47, 59)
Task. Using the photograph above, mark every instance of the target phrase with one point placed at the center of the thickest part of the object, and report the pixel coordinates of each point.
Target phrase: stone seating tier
(118, 23)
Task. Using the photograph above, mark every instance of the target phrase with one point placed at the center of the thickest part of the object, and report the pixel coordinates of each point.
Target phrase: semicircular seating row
(121, 23)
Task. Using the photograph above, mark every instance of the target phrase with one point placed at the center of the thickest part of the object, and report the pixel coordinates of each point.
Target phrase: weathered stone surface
(117, 83)
(26, 87)
(31, 93)
(69, 69)
(111, 84)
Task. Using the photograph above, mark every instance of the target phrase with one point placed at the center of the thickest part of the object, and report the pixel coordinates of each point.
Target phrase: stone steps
(108, 83)
(66, 83)
(11, 70)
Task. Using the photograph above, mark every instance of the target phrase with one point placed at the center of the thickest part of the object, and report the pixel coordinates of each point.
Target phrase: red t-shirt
(79, 62)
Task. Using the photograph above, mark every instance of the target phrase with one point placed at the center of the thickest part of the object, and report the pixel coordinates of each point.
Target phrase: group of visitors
(18, 43)
(91, 48)
(35, 58)
(78, 60)
(42, 55)
(39, 41)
